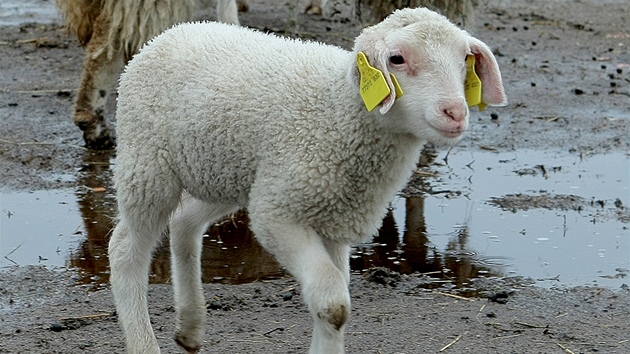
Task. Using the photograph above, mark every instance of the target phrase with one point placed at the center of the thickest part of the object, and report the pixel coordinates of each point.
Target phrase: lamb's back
(218, 99)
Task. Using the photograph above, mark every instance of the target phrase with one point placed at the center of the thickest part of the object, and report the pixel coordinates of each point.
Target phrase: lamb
(213, 118)
(113, 31)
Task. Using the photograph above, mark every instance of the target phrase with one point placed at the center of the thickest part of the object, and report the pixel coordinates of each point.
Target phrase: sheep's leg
(340, 255)
(130, 259)
(324, 286)
(145, 204)
(100, 74)
(328, 330)
(187, 226)
(227, 11)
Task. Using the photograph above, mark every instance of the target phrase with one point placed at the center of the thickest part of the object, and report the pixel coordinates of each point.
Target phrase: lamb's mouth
(454, 133)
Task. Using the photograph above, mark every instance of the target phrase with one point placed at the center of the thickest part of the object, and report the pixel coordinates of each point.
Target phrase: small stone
(500, 297)
(287, 296)
(215, 305)
(56, 327)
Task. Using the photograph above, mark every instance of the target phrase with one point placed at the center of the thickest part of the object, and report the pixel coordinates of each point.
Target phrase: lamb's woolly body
(317, 152)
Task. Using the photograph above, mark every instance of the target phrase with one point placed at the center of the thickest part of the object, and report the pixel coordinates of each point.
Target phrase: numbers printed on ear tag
(374, 88)
(472, 85)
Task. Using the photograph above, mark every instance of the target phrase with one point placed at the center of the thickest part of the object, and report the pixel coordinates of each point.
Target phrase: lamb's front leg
(187, 226)
(340, 255)
(324, 287)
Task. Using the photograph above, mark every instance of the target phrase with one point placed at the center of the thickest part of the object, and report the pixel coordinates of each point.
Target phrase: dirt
(566, 69)
(43, 312)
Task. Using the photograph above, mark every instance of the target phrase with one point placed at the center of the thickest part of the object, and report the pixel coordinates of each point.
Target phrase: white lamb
(213, 118)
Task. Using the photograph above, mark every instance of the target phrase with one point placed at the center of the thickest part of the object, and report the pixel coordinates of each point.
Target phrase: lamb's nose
(457, 111)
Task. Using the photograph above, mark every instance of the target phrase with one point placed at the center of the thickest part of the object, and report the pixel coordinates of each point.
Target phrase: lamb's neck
(345, 91)
(389, 156)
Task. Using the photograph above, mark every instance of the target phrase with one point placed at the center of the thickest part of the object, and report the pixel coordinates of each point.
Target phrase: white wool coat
(277, 126)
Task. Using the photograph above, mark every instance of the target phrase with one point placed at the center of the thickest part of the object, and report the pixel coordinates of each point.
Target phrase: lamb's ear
(488, 71)
(378, 57)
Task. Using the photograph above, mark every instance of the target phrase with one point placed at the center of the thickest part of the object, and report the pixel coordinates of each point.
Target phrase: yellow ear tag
(399, 91)
(374, 88)
(472, 85)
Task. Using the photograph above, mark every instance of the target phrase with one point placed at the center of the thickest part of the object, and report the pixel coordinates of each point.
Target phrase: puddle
(43, 227)
(450, 231)
(19, 12)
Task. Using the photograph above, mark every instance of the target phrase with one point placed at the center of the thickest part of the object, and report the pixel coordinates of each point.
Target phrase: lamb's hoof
(182, 341)
(314, 10)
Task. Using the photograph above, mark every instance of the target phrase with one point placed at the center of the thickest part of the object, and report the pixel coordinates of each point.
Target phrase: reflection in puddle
(405, 247)
(449, 233)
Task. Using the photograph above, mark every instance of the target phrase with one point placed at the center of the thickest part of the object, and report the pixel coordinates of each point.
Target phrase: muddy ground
(566, 71)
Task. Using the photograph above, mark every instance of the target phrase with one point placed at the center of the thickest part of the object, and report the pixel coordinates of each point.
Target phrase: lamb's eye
(397, 59)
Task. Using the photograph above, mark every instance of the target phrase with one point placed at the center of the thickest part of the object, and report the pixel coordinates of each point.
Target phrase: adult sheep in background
(213, 118)
(458, 11)
(112, 32)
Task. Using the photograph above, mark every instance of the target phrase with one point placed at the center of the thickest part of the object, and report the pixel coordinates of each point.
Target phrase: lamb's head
(427, 54)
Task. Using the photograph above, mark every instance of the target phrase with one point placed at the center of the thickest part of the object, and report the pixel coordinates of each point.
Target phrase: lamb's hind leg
(187, 226)
(100, 75)
(324, 286)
